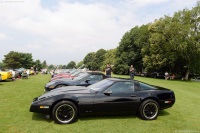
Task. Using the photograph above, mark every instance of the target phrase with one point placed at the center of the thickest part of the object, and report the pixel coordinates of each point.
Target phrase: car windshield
(75, 73)
(82, 76)
(101, 85)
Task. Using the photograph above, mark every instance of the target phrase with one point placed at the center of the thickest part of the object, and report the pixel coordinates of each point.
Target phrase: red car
(66, 75)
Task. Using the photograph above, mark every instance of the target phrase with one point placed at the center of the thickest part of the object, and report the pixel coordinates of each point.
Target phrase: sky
(60, 31)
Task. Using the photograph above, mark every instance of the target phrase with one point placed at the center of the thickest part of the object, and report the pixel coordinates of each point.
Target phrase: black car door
(119, 97)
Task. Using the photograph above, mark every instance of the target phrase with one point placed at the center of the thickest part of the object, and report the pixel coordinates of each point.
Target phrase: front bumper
(40, 109)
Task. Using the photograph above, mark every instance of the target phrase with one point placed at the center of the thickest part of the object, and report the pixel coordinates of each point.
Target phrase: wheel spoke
(65, 113)
(150, 110)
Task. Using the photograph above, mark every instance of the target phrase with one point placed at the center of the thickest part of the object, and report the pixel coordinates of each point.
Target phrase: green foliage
(94, 60)
(71, 65)
(168, 44)
(16, 60)
(50, 67)
(79, 64)
(99, 58)
(38, 65)
(129, 51)
(44, 64)
(2, 65)
(174, 43)
(109, 58)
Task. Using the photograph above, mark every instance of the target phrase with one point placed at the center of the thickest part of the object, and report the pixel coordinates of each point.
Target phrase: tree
(38, 65)
(89, 61)
(99, 59)
(79, 64)
(26, 60)
(44, 64)
(50, 67)
(109, 58)
(2, 65)
(130, 48)
(16, 60)
(174, 43)
(71, 65)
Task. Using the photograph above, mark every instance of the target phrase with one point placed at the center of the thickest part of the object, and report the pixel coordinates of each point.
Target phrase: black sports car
(85, 79)
(107, 96)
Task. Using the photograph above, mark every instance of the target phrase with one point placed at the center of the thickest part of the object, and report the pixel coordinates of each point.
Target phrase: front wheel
(149, 109)
(65, 112)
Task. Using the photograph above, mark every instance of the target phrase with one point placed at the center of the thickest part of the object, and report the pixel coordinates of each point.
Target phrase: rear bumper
(164, 104)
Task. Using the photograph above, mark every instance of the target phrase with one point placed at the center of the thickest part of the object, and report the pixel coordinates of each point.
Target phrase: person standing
(166, 75)
(131, 72)
(108, 71)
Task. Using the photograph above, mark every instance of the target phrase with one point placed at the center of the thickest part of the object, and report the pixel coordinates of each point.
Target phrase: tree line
(168, 44)
(15, 60)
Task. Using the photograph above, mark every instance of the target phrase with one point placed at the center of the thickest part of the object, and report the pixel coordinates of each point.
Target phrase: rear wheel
(149, 109)
(65, 112)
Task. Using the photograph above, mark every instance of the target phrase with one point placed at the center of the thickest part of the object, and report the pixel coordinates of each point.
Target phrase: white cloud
(4, 37)
(146, 2)
(33, 46)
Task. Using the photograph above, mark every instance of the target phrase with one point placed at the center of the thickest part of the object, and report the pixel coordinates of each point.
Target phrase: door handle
(133, 95)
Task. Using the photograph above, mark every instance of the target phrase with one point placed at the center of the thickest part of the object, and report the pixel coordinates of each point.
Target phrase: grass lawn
(16, 97)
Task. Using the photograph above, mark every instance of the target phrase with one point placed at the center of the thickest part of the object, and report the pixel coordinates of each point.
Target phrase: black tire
(65, 112)
(59, 86)
(149, 109)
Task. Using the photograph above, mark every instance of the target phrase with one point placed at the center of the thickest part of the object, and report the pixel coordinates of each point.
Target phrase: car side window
(95, 77)
(122, 87)
(146, 87)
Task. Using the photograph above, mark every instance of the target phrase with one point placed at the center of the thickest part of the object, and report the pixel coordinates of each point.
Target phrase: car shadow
(163, 113)
(49, 119)
(107, 117)
(41, 117)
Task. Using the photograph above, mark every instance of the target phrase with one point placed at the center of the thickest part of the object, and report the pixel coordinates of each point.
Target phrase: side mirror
(87, 80)
(107, 92)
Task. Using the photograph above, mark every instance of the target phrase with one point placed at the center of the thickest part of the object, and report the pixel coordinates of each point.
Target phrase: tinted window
(146, 87)
(95, 77)
(82, 76)
(101, 85)
(122, 87)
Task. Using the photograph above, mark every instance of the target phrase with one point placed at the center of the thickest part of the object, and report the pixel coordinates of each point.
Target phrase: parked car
(158, 75)
(196, 79)
(0, 77)
(76, 74)
(5, 75)
(107, 96)
(85, 79)
(15, 73)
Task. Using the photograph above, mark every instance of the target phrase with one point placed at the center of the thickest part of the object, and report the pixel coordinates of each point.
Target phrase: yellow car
(31, 72)
(5, 75)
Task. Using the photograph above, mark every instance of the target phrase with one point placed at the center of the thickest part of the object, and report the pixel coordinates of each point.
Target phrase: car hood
(66, 90)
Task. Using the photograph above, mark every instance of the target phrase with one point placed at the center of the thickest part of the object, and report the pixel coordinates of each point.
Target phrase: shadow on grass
(163, 113)
(41, 117)
(107, 117)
